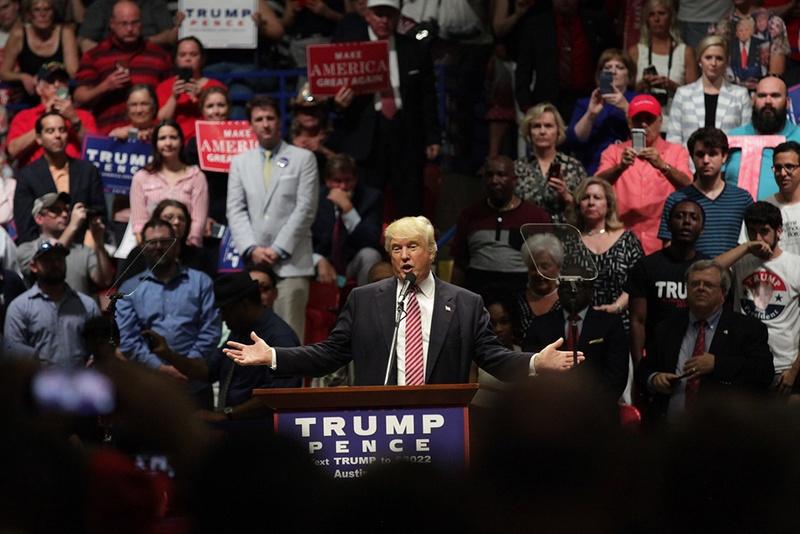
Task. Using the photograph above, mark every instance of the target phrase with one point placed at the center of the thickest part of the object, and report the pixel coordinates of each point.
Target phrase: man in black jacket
(391, 133)
(705, 349)
(55, 172)
(347, 230)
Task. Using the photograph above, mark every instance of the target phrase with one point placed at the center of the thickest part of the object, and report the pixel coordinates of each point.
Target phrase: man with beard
(767, 287)
(769, 118)
(723, 203)
(172, 301)
(656, 284)
(47, 320)
(486, 247)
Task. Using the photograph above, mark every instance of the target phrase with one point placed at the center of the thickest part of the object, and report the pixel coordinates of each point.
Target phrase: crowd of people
(636, 241)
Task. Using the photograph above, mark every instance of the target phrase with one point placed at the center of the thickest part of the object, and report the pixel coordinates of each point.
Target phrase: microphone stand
(569, 305)
(393, 353)
(399, 314)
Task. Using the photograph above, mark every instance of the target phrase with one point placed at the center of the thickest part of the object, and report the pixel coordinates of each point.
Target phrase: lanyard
(672, 48)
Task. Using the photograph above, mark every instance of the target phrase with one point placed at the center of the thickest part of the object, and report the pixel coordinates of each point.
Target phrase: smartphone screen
(185, 74)
(638, 139)
(605, 83)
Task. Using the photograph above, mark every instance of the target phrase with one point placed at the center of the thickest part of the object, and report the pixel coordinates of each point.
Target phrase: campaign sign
(345, 443)
(229, 261)
(218, 142)
(117, 161)
(361, 66)
(220, 26)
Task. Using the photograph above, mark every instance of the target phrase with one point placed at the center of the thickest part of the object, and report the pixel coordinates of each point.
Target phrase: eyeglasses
(788, 167)
(55, 211)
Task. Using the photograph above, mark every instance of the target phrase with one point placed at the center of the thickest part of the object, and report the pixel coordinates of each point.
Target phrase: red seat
(629, 416)
(321, 311)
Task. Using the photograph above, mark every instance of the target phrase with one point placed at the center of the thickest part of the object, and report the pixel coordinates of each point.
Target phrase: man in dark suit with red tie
(347, 230)
(599, 335)
(390, 134)
(443, 330)
(705, 349)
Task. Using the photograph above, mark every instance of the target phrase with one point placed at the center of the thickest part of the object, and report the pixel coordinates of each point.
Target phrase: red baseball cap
(644, 104)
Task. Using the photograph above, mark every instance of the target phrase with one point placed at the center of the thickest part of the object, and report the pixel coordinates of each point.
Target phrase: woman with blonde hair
(615, 250)
(546, 177)
(711, 101)
(663, 61)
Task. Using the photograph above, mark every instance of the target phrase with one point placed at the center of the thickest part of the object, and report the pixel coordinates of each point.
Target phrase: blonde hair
(612, 220)
(712, 40)
(669, 5)
(410, 228)
(537, 111)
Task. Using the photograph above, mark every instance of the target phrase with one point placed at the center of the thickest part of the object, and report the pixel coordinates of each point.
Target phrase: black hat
(47, 247)
(53, 71)
(230, 288)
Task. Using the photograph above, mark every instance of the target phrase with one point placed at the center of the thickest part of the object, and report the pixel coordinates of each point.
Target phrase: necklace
(596, 232)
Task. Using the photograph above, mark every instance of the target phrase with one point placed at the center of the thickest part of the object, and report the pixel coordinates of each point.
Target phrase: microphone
(410, 280)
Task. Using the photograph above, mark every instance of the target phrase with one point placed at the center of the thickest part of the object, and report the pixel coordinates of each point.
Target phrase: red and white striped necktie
(415, 367)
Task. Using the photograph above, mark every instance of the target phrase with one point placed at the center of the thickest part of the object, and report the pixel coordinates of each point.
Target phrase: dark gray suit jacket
(742, 358)
(460, 333)
(35, 180)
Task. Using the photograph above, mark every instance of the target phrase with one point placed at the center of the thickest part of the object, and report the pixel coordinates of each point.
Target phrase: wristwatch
(228, 411)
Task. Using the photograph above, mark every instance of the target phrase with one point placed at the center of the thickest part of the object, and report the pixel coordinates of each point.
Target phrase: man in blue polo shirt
(723, 203)
(769, 118)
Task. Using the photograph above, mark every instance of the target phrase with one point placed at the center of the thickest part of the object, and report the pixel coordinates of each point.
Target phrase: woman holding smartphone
(141, 106)
(547, 177)
(600, 119)
(169, 176)
(178, 95)
(42, 40)
(663, 61)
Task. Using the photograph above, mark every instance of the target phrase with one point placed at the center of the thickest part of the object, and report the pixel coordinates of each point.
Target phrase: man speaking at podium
(441, 328)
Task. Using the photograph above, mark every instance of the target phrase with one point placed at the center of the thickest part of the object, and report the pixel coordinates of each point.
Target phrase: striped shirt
(724, 216)
(148, 64)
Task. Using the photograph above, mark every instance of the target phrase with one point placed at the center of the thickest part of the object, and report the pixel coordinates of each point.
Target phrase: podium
(348, 429)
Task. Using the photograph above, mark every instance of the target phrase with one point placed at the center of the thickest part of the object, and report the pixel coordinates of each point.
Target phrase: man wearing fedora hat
(239, 301)
(392, 132)
(47, 320)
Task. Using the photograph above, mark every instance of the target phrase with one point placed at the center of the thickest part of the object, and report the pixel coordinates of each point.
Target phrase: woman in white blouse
(663, 61)
(711, 101)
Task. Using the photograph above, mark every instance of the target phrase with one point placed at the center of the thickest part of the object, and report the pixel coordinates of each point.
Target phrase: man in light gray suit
(272, 202)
